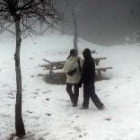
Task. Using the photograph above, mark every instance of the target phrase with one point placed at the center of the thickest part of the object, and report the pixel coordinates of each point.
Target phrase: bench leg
(99, 72)
(98, 75)
(51, 75)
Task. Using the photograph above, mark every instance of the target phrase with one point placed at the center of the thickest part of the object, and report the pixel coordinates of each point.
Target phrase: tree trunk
(74, 20)
(74, 28)
(19, 126)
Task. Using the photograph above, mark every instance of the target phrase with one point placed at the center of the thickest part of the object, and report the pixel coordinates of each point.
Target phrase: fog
(103, 22)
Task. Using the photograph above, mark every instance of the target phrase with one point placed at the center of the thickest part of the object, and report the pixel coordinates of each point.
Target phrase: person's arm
(83, 73)
(65, 68)
(70, 73)
(69, 67)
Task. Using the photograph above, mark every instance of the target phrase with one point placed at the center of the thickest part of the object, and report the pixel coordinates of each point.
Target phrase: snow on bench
(59, 64)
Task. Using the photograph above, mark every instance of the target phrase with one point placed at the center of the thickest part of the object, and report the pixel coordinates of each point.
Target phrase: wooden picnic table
(57, 65)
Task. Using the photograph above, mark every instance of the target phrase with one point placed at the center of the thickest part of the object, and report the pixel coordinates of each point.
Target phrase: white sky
(47, 112)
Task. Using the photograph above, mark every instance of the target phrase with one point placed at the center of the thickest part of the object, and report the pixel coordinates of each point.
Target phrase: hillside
(47, 112)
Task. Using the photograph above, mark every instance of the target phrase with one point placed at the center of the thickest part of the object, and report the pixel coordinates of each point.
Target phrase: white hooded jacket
(71, 64)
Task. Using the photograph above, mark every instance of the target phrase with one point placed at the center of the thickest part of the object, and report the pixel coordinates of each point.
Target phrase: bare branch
(28, 9)
(26, 4)
(3, 4)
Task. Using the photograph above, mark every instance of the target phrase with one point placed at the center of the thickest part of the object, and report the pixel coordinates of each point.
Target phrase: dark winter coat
(88, 71)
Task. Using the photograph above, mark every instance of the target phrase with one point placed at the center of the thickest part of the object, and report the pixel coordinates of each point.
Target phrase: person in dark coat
(88, 79)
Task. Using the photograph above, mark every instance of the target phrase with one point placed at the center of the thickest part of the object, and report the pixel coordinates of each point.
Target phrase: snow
(47, 111)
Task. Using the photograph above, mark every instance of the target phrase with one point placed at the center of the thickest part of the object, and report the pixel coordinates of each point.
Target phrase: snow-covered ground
(47, 112)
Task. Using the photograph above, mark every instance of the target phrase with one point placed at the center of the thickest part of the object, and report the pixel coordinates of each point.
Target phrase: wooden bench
(59, 64)
(98, 59)
(99, 69)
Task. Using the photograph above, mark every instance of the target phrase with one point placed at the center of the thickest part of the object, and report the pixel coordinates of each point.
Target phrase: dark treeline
(104, 22)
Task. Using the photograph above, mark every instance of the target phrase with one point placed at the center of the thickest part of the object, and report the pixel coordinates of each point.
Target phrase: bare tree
(74, 20)
(21, 12)
(75, 40)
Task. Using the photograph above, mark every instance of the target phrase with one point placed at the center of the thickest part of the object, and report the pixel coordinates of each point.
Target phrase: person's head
(73, 52)
(87, 53)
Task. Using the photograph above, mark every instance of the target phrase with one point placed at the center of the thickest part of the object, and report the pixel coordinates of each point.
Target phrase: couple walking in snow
(80, 72)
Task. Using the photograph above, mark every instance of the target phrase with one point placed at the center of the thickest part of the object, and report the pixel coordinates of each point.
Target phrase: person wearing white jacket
(72, 68)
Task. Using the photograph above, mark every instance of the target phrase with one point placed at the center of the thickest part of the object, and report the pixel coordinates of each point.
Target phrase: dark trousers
(73, 91)
(89, 92)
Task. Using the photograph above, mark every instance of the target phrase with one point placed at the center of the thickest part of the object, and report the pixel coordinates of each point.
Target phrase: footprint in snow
(37, 89)
(29, 111)
(5, 85)
(108, 119)
(35, 93)
(32, 76)
(48, 114)
(81, 131)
